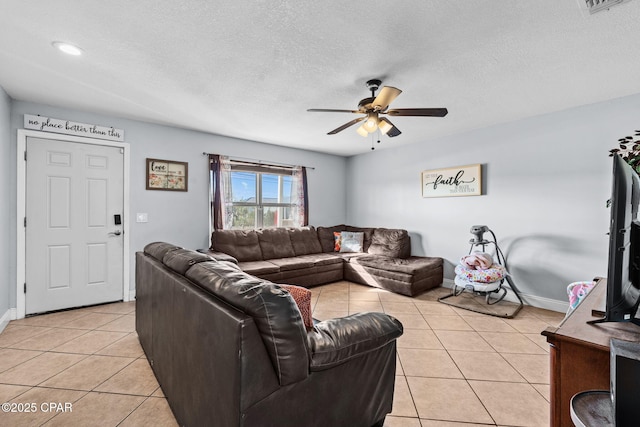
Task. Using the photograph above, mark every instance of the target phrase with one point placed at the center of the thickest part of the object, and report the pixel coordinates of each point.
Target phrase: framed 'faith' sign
(452, 182)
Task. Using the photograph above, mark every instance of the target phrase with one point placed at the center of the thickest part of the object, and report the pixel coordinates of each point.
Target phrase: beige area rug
(474, 301)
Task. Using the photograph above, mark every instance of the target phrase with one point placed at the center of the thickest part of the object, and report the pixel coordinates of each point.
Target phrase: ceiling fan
(375, 106)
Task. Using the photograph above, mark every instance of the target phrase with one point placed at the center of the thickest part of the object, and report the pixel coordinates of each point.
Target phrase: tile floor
(455, 367)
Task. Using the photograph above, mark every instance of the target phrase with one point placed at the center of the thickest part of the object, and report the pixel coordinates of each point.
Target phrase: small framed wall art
(167, 175)
(451, 182)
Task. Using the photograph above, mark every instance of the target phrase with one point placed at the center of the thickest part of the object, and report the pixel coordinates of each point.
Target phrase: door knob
(115, 233)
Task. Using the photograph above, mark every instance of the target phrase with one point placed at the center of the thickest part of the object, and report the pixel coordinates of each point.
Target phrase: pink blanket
(477, 261)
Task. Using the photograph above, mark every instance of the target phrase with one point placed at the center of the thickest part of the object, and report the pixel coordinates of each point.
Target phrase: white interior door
(74, 244)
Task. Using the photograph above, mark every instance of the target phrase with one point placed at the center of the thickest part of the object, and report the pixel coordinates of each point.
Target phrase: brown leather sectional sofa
(230, 349)
(306, 257)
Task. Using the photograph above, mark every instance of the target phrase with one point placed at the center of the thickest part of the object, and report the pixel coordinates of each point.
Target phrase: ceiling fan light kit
(372, 122)
(374, 106)
(384, 125)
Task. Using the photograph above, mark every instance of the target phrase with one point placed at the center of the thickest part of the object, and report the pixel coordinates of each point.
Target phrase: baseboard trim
(132, 295)
(6, 318)
(527, 299)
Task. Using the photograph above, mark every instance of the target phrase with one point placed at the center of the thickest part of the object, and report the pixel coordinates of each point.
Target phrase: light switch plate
(142, 217)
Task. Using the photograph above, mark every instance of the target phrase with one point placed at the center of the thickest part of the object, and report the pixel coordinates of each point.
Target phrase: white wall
(6, 180)
(547, 180)
(182, 217)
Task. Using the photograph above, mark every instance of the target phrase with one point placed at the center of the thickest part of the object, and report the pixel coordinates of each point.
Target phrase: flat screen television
(623, 274)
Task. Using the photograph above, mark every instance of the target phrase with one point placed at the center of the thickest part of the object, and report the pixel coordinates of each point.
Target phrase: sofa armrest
(219, 256)
(335, 341)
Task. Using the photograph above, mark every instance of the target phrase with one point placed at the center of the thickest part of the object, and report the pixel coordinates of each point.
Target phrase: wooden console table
(580, 353)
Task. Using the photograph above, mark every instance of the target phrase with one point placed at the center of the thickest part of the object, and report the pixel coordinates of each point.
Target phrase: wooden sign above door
(47, 124)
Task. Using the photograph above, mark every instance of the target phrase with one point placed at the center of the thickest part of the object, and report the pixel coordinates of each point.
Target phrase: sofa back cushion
(368, 235)
(393, 243)
(243, 245)
(159, 249)
(275, 243)
(326, 238)
(305, 241)
(273, 309)
(180, 260)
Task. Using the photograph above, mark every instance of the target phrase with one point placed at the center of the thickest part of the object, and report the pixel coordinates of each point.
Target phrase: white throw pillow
(351, 241)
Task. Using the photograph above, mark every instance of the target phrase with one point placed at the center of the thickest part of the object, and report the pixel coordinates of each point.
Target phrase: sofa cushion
(302, 297)
(275, 243)
(218, 256)
(293, 263)
(243, 245)
(159, 249)
(335, 341)
(348, 256)
(368, 235)
(325, 236)
(413, 266)
(272, 308)
(258, 268)
(351, 241)
(393, 243)
(321, 259)
(304, 241)
(180, 260)
(337, 241)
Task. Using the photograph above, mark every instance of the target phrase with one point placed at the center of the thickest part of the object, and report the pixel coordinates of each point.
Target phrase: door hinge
(25, 221)
(25, 288)
(25, 155)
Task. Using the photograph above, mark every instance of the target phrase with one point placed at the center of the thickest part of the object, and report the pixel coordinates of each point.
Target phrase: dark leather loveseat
(305, 256)
(229, 349)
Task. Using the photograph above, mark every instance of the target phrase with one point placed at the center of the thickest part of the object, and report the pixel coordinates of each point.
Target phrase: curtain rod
(260, 162)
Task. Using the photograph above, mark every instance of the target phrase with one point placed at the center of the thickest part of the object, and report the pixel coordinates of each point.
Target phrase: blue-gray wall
(7, 182)
(547, 180)
(180, 217)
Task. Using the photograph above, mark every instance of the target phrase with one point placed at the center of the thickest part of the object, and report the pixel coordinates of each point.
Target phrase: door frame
(21, 206)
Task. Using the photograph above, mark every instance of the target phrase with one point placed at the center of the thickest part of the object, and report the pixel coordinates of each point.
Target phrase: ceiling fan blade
(346, 125)
(325, 110)
(430, 112)
(385, 97)
(393, 131)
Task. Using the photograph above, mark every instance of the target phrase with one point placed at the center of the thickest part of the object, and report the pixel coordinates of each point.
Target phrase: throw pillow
(337, 241)
(302, 297)
(351, 241)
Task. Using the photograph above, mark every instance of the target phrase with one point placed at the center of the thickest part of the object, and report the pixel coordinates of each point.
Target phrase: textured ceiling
(251, 69)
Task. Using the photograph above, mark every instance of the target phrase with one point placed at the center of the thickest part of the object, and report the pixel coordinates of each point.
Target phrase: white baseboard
(6, 317)
(527, 299)
(132, 295)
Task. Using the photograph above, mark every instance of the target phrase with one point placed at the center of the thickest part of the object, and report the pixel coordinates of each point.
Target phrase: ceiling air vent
(594, 6)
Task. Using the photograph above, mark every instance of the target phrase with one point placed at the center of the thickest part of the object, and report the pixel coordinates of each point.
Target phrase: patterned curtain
(220, 194)
(299, 198)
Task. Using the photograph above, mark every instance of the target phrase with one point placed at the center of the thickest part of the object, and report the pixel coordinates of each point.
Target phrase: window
(261, 200)
(247, 195)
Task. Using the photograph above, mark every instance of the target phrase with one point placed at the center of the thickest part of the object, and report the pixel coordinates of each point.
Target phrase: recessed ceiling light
(68, 48)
